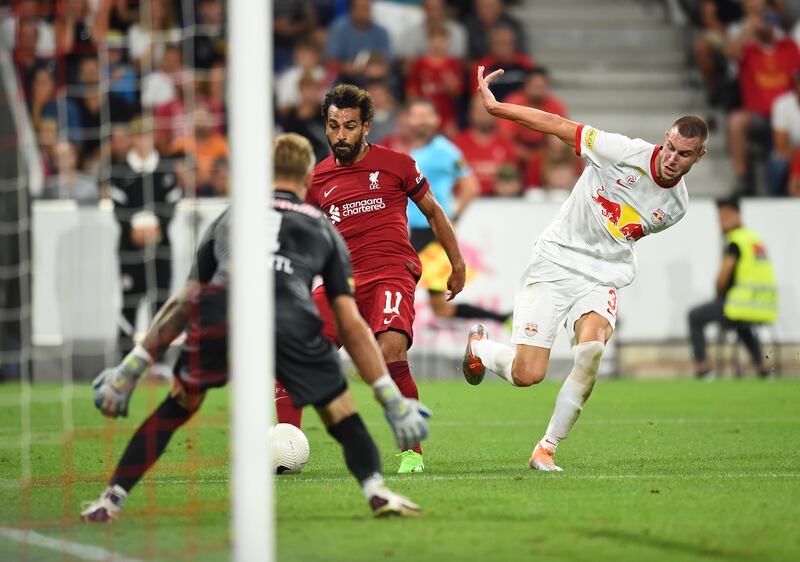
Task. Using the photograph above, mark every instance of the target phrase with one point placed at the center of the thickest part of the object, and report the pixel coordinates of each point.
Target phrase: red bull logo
(622, 220)
(531, 329)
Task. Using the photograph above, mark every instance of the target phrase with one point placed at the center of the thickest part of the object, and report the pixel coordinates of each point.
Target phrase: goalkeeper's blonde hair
(294, 157)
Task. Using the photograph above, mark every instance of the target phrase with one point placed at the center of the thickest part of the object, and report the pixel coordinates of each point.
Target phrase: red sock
(284, 407)
(405, 382)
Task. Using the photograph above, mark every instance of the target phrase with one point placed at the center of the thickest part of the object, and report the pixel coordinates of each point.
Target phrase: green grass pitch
(653, 471)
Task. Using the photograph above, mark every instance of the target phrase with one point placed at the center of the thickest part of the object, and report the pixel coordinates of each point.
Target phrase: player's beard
(348, 156)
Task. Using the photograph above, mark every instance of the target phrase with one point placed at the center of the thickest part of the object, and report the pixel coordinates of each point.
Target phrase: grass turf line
(653, 471)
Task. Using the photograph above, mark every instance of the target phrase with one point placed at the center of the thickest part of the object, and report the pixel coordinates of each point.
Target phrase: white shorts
(550, 296)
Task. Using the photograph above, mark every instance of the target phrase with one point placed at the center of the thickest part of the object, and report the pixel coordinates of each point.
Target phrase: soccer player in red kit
(363, 189)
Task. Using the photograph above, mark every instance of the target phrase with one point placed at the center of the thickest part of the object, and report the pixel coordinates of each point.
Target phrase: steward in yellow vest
(747, 292)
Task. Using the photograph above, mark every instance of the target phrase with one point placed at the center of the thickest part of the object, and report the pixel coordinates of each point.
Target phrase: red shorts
(386, 304)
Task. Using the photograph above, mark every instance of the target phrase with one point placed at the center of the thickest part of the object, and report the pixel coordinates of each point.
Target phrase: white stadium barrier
(76, 287)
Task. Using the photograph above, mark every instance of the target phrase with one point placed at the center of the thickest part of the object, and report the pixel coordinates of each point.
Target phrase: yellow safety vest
(754, 294)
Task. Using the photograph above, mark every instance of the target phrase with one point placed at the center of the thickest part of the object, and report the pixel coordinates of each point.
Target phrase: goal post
(252, 296)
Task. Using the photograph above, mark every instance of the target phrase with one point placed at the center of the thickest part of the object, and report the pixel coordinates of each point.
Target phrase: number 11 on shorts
(389, 309)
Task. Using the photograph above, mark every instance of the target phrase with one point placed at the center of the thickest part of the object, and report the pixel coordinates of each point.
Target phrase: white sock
(496, 357)
(373, 485)
(574, 392)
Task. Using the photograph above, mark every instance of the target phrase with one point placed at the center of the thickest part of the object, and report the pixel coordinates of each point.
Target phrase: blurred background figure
(416, 38)
(785, 138)
(767, 63)
(437, 76)
(486, 15)
(306, 119)
(485, 149)
(353, 38)
(69, 182)
(144, 189)
(386, 111)
(503, 54)
(454, 186)
(747, 293)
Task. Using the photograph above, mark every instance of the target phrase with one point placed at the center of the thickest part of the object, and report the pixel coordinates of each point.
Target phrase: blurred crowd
(110, 82)
(99, 74)
(747, 54)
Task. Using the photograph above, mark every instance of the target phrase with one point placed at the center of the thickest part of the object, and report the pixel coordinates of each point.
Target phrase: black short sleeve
(205, 262)
(733, 250)
(337, 273)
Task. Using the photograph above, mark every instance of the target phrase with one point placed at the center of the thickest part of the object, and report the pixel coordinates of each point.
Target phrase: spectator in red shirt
(535, 93)
(438, 77)
(503, 54)
(485, 150)
(766, 66)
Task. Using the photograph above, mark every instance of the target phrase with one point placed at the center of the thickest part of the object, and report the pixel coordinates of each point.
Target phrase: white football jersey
(617, 200)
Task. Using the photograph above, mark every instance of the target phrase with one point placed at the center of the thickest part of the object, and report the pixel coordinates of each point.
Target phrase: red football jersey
(367, 202)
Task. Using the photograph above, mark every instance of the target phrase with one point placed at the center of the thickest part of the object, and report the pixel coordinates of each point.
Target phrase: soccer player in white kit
(629, 189)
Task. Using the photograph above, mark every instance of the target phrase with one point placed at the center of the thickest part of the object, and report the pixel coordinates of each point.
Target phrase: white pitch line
(79, 550)
(523, 474)
(632, 421)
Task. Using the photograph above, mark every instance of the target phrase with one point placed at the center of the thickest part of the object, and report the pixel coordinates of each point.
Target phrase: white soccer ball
(289, 448)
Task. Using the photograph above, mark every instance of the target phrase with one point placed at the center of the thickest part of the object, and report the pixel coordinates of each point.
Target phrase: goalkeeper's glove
(406, 416)
(113, 387)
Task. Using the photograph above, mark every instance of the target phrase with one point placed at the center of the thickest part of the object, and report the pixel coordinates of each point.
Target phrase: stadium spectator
(400, 139)
(69, 182)
(354, 38)
(208, 44)
(287, 86)
(26, 58)
(149, 37)
(415, 39)
(785, 137)
(121, 77)
(503, 54)
(487, 15)
(746, 292)
(46, 140)
(715, 18)
(74, 37)
(25, 10)
(210, 91)
(291, 20)
(386, 111)
(535, 93)
(554, 166)
(305, 119)
(88, 104)
(437, 76)
(508, 182)
(485, 149)
(766, 66)
(41, 99)
(203, 145)
(122, 14)
(144, 190)
(218, 186)
(163, 85)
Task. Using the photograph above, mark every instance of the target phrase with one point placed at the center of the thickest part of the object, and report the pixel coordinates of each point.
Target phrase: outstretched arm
(542, 121)
(446, 235)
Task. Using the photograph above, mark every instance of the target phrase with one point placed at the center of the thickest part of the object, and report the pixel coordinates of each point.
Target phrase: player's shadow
(663, 544)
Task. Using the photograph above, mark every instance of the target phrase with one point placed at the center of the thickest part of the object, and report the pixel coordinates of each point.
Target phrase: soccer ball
(289, 448)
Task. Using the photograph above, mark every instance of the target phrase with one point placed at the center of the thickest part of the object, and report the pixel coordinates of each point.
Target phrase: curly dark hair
(348, 95)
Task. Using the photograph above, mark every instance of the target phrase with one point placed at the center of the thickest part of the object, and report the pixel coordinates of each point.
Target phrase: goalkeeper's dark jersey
(306, 245)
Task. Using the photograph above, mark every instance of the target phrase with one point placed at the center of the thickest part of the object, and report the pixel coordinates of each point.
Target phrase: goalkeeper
(306, 363)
